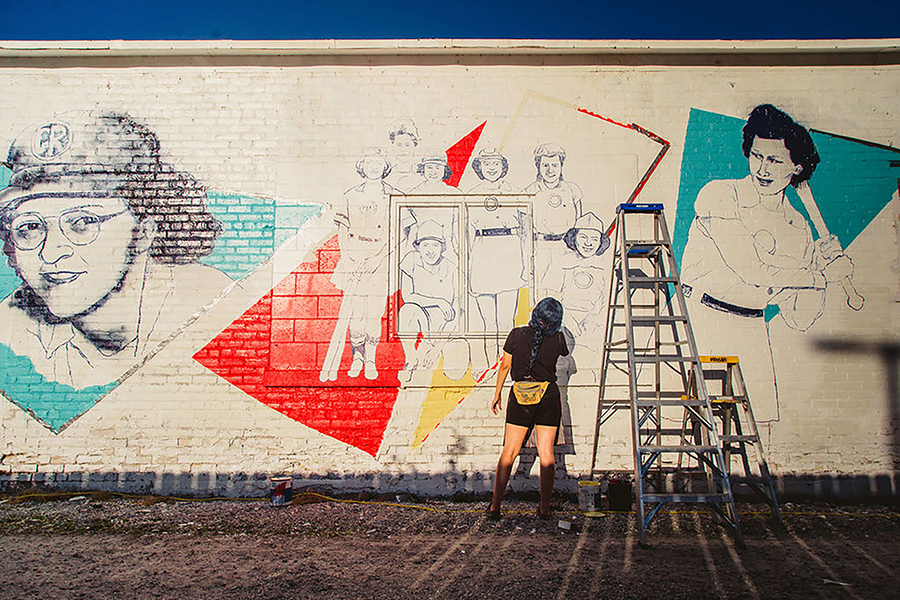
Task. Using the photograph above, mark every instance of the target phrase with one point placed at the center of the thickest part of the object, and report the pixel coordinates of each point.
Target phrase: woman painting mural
(530, 353)
(751, 257)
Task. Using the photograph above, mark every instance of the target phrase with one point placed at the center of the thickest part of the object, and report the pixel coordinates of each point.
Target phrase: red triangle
(275, 350)
(458, 155)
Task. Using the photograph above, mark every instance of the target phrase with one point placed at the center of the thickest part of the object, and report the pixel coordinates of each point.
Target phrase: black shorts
(546, 412)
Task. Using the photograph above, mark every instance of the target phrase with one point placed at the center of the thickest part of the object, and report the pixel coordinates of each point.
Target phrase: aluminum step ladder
(738, 430)
(649, 366)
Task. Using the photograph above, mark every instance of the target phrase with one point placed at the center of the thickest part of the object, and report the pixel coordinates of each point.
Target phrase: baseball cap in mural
(86, 154)
(430, 230)
(589, 221)
(434, 157)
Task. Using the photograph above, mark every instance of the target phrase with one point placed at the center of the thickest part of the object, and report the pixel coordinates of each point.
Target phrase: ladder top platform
(639, 207)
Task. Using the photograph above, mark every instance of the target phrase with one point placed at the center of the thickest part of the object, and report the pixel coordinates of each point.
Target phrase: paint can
(619, 495)
(588, 496)
(280, 492)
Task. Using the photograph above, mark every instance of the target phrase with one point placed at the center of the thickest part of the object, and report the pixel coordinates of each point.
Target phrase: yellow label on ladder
(732, 360)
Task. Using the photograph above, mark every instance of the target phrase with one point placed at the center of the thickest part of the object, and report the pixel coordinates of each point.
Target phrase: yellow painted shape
(523, 310)
(445, 395)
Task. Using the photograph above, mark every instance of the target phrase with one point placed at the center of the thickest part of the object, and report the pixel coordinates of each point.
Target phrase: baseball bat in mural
(854, 299)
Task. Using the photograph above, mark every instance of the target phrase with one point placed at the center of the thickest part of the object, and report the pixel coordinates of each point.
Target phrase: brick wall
(221, 378)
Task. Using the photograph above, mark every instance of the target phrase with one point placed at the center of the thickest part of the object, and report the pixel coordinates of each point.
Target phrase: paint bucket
(281, 493)
(619, 495)
(588, 496)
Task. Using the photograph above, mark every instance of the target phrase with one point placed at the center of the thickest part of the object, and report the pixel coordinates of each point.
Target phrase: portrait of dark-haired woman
(751, 262)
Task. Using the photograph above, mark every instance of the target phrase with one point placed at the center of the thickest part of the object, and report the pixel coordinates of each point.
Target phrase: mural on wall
(446, 274)
(110, 254)
(278, 349)
(757, 247)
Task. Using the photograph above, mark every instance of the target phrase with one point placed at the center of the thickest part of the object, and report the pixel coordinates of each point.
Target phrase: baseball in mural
(751, 257)
(106, 238)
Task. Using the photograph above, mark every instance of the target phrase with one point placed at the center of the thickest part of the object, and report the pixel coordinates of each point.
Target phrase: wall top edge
(437, 46)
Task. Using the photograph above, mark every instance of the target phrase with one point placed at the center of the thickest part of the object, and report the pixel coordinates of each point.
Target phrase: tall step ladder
(649, 366)
(731, 406)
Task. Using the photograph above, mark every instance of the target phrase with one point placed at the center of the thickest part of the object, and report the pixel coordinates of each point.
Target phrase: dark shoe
(542, 516)
(493, 515)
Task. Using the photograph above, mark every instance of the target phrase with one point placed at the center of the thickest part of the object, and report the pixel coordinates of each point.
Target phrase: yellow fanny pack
(529, 392)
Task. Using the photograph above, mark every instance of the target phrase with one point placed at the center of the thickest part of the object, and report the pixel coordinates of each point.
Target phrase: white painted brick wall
(295, 134)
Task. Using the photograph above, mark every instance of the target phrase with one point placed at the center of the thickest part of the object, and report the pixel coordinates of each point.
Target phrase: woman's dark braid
(539, 333)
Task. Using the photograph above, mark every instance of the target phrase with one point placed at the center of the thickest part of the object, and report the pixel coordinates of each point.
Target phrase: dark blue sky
(360, 19)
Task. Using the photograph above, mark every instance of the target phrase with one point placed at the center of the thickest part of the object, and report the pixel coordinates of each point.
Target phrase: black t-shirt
(519, 343)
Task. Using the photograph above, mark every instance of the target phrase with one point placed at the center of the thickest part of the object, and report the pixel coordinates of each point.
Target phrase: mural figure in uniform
(429, 287)
(362, 270)
(751, 257)
(580, 279)
(106, 238)
(499, 262)
(557, 204)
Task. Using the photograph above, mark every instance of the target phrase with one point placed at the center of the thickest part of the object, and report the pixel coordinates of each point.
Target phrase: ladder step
(652, 395)
(749, 439)
(727, 399)
(669, 402)
(685, 498)
(645, 243)
(653, 319)
(634, 306)
(665, 432)
(659, 318)
(664, 358)
(650, 280)
(678, 448)
(639, 207)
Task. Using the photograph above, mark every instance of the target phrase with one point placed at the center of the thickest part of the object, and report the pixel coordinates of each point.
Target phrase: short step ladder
(649, 365)
(731, 406)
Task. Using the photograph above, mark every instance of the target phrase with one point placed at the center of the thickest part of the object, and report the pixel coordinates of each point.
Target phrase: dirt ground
(104, 546)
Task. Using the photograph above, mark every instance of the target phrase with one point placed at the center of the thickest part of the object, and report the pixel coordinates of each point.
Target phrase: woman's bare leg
(546, 438)
(512, 444)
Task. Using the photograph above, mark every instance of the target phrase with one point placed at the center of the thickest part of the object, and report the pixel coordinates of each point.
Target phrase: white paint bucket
(588, 496)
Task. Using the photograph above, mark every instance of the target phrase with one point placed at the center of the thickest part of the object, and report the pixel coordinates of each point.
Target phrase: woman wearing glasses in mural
(530, 355)
(557, 204)
(106, 239)
(497, 251)
(751, 257)
(362, 271)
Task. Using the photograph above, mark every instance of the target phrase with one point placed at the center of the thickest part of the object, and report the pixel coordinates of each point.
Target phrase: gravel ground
(104, 546)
